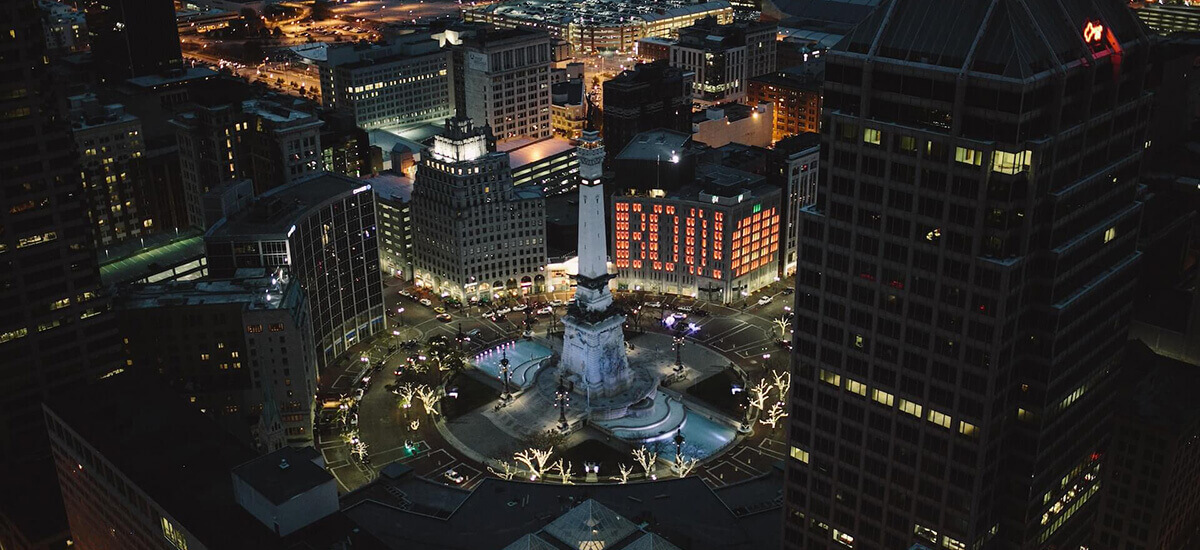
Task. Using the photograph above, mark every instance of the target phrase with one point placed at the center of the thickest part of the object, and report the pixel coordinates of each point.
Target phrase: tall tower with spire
(593, 353)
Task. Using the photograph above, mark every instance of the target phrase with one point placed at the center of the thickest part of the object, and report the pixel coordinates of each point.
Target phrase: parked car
(358, 394)
(765, 300)
(788, 291)
(503, 311)
(519, 307)
(701, 312)
(474, 333)
(685, 309)
(425, 302)
(654, 304)
(679, 316)
(546, 311)
(454, 477)
(556, 303)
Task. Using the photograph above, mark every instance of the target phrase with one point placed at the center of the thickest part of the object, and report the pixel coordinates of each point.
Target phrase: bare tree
(645, 458)
(774, 414)
(429, 399)
(564, 471)
(784, 327)
(536, 461)
(625, 471)
(683, 466)
(506, 470)
(759, 393)
(783, 381)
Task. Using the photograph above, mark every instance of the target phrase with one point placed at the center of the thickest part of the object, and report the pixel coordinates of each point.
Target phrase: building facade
(646, 97)
(65, 28)
(401, 83)
(796, 97)
(798, 157)
(550, 165)
(718, 239)
(965, 276)
(111, 146)
(393, 204)
(502, 80)
(724, 57)
(240, 349)
(322, 229)
(475, 234)
(568, 110)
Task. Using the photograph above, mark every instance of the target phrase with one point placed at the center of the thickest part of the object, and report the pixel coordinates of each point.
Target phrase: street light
(505, 376)
(562, 398)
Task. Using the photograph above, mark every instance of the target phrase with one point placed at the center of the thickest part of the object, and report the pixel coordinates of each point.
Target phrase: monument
(593, 351)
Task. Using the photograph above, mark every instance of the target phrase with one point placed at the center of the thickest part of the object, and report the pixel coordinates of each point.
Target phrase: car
(354, 420)
(473, 300)
(425, 302)
(785, 344)
(444, 317)
(788, 291)
(685, 309)
(454, 477)
(439, 309)
(679, 316)
(358, 394)
(474, 333)
(399, 371)
(546, 311)
(503, 311)
(654, 304)
(765, 300)
(701, 313)
(519, 307)
(556, 303)
(406, 294)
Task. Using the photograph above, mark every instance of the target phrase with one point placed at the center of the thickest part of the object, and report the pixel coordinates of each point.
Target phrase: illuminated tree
(625, 471)
(359, 449)
(683, 466)
(406, 391)
(429, 399)
(759, 393)
(506, 470)
(783, 381)
(536, 461)
(775, 413)
(414, 425)
(645, 458)
(350, 436)
(785, 326)
(564, 471)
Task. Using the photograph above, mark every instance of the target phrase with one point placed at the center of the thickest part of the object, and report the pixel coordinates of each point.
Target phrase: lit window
(854, 386)
(953, 544)
(844, 538)
(925, 532)
(173, 534)
(941, 419)
(800, 454)
(831, 378)
(883, 397)
(1010, 163)
(254, 328)
(908, 144)
(968, 156)
(1023, 414)
(858, 341)
(910, 408)
(1110, 234)
(966, 428)
(871, 135)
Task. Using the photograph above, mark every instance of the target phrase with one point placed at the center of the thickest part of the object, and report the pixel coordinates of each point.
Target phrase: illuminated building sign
(1093, 32)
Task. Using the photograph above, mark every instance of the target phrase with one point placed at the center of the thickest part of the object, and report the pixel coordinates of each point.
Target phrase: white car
(520, 307)
(679, 316)
(358, 394)
(556, 303)
(653, 304)
(503, 311)
(685, 309)
(425, 302)
(765, 300)
(454, 477)
(545, 311)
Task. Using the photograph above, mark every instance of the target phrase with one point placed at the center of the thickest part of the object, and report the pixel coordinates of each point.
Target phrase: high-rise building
(965, 277)
(795, 163)
(502, 80)
(264, 140)
(322, 229)
(403, 82)
(54, 327)
(65, 28)
(132, 38)
(724, 57)
(110, 144)
(240, 349)
(796, 95)
(475, 234)
(646, 97)
(393, 204)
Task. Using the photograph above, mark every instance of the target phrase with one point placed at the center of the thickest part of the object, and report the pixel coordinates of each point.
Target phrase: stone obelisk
(593, 340)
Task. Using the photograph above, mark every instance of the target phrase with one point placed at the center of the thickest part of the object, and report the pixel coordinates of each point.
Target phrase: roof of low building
(274, 213)
(285, 473)
(660, 144)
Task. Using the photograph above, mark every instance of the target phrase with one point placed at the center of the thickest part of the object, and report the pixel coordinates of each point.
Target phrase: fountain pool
(524, 359)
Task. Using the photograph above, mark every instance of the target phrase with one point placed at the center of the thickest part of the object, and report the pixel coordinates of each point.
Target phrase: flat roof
(284, 474)
(126, 263)
(173, 77)
(274, 213)
(254, 287)
(392, 186)
(522, 152)
(657, 144)
(685, 512)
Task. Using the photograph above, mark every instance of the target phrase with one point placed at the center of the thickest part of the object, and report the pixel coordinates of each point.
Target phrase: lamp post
(562, 398)
(679, 441)
(505, 376)
(678, 345)
(400, 314)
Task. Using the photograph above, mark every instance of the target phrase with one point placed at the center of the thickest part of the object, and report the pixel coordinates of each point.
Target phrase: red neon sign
(1092, 32)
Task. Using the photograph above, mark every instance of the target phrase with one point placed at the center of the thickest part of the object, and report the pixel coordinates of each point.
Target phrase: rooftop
(257, 288)
(284, 474)
(525, 151)
(392, 186)
(1015, 39)
(660, 145)
(274, 213)
(131, 261)
(173, 77)
(412, 513)
(1163, 389)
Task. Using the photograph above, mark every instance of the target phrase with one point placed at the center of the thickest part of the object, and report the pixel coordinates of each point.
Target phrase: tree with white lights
(564, 471)
(358, 449)
(406, 392)
(774, 414)
(536, 461)
(783, 381)
(506, 470)
(429, 398)
(646, 458)
(759, 393)
(683, 466)
(625, 471)
(785, 327)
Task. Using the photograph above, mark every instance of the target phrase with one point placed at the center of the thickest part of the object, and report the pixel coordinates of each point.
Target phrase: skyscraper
(475, 234)
(53, 327)
(965, 276)
(646, 97)
(133, 38)
(502, 80)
